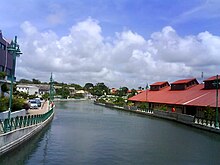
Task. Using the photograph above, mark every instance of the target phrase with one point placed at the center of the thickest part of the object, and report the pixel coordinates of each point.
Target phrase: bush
(119, 101)
(3, 104)
(142, 106)
(163, 108)
(17, 104)
(4, 87)
(209, 113)
(78, 96)
(102, 101)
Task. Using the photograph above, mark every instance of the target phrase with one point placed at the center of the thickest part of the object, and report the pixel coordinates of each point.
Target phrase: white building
(29, 89)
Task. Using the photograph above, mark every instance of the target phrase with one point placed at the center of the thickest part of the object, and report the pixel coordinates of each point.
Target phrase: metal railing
(7, 125)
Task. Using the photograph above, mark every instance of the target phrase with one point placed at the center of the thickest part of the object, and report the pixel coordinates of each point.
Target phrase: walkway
(43, 109)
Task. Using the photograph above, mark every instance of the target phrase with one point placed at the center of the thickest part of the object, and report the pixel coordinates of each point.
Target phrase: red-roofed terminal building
(187, 96)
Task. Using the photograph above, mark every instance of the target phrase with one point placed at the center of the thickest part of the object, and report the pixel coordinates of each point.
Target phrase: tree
(45, 96)
(78, 96)
(209, 113)
(133, 93)
(88, 86)
(76, 86)
(64, 91)
(35, 81)
(4, 88)
(25, 81)
(100, 89)
(122, 91)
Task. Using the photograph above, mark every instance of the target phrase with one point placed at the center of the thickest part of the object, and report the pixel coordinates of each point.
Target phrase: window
(8, 71)
(1, 68)
(2, 46)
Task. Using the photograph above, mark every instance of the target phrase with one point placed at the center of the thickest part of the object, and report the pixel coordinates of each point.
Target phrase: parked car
(38, 102)
(33, 104)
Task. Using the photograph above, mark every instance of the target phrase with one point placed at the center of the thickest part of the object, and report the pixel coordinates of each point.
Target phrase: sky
(119, 42)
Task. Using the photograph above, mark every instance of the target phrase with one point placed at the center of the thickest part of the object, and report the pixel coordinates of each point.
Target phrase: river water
(87, 134)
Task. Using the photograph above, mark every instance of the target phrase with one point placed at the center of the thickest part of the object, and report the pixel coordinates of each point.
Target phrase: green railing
(7, 125)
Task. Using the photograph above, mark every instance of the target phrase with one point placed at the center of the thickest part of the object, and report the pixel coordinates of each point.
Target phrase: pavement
(41, 110)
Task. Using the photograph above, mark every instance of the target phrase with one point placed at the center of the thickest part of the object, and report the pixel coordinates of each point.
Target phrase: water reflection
(20, 155)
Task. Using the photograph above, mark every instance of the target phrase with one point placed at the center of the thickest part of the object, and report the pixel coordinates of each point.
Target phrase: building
(43, 89)
(185, 96)
(29, 89)
(6, 61)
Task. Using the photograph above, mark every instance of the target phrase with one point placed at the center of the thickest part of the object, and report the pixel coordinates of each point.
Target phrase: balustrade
(7, 125)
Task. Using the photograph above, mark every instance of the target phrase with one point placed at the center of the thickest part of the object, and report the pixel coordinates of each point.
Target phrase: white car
(33, 104)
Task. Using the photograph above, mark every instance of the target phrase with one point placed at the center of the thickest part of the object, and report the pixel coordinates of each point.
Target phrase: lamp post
(14, 50)
(51, 89)
(216, 112)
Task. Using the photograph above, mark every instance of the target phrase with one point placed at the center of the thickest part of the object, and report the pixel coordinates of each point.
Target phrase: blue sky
(142, 16)
(132, 32)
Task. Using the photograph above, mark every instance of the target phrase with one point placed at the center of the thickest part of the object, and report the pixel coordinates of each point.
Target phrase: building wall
(6, 59)
(33, 90)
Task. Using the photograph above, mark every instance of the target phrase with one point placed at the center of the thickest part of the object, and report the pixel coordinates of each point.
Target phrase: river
(87, 134)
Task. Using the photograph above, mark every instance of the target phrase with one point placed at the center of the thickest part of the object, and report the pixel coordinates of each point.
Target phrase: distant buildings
(29, 89)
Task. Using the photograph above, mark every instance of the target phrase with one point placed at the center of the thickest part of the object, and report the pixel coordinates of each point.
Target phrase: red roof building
(187, 96)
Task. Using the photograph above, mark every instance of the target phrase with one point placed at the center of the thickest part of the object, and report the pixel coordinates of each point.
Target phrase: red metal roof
(212, 78)
(194, 96)
(184, 81)
(159, 83)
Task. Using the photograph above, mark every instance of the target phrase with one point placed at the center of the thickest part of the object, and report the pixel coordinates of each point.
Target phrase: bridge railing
(14, 123)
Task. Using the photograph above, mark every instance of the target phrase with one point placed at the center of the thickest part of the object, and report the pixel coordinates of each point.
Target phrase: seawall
(12, 139)
(177, 117)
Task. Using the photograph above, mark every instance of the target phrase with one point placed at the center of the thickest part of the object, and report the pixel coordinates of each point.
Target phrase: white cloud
(129, 59)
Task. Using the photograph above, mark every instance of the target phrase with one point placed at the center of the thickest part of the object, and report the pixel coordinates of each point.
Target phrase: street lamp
(216, 112)
(51, 89)
(14, 50)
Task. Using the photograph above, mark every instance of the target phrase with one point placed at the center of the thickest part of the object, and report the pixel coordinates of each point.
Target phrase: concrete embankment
(177, 117)
(14, 138)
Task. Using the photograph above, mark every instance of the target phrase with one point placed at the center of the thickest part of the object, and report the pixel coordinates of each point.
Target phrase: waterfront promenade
(19, 129)
(41, 110)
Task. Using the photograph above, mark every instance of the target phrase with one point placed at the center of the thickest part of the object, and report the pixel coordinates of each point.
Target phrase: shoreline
(180, 118)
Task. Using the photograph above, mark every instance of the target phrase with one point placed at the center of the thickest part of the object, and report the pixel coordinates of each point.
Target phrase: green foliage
(88, 86)
(119, 101)
(24, 81)
(78, 96)
(3, 104)
(133, 93)
(32, 96)
(163, 107)
(64, 91)
(76, 86)
(100, 89)
(2, 75)
(35, 81)
(209, 113)
(26, 106)
(4, 87)
(21, 94)
(122, 92)
(142, 106)
(102, 101)
(129, 103)
(17, 104)
(45, 96)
